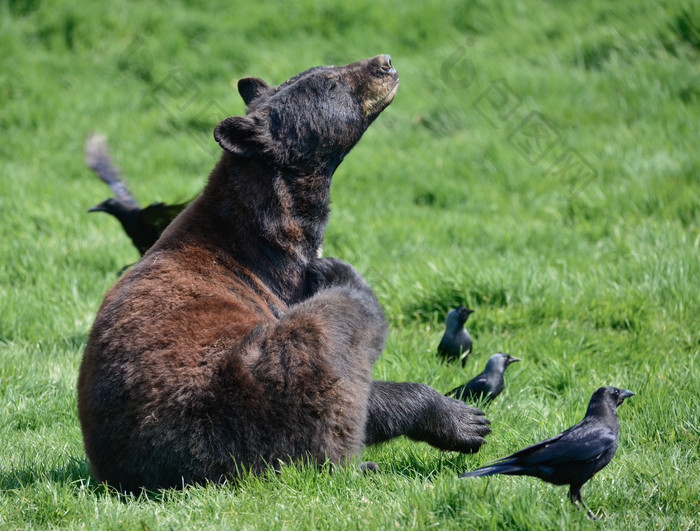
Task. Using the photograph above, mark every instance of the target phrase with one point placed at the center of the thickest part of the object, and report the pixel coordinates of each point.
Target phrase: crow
(143, 225)
(456, 343)
(575, 455)
(489, 383)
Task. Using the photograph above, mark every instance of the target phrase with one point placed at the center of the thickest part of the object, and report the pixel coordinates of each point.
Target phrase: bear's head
(311, 121)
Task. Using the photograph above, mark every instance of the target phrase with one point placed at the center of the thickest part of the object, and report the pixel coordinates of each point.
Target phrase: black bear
(231, 345)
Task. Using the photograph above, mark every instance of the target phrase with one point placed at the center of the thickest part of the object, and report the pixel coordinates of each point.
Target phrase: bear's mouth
(382, 99)
(392, 92)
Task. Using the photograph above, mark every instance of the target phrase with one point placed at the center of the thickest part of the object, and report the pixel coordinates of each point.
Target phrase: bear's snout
(386, 63)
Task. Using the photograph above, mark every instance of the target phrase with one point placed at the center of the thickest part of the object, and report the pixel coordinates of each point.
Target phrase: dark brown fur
(230, 344)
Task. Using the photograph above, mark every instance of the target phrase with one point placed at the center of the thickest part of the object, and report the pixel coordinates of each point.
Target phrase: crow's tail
(496, 468)
(98, 159)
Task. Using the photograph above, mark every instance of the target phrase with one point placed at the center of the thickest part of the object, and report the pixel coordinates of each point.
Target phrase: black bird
(143, 225)
(489, 383)
(456, 343)
(574, 456)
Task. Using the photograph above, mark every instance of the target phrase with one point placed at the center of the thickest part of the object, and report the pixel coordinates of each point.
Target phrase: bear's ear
(250, 88)
(235, 134)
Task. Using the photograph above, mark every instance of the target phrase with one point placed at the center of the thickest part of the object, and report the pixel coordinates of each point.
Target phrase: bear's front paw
(471, 428)
(461, 428)
(324, 273)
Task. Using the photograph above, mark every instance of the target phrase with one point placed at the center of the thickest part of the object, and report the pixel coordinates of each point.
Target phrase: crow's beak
(624, 393)
(97, 208)
(511, 359)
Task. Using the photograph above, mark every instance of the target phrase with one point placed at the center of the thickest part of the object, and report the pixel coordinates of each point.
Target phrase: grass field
(540, 164)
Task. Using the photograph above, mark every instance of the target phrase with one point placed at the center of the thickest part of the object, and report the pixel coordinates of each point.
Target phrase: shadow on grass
(73, 472)
(75, 476)
(432, 305)
(419, 460)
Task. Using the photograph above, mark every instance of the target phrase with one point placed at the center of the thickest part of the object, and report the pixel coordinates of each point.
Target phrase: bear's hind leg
(314, 368)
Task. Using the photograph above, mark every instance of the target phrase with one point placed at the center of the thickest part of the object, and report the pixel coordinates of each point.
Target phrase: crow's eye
(616, 392)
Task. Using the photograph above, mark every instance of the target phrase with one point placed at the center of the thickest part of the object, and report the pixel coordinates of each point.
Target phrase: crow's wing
(159, 215)
(97, 157)
(581, 442)
(477, 385)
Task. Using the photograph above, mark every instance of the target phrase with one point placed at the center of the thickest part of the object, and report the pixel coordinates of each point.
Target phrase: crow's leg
(575, 497)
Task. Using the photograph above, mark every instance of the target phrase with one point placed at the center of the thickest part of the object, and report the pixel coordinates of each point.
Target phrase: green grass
(590, 281)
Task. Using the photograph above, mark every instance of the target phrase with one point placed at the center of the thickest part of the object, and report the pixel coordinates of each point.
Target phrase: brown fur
(230, 344)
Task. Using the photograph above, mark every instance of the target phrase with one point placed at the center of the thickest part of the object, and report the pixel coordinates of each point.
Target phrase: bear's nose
(386, 63)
